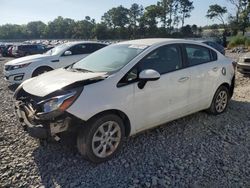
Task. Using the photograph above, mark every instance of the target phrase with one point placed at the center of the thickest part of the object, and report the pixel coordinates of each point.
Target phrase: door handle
(183, 79)
(215, 69)
(56, 60)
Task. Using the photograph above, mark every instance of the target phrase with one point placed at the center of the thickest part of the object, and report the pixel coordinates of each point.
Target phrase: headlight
(14, 67)
(58, 103)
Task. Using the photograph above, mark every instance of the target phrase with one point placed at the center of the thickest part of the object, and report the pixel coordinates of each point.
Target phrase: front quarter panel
(103, 96)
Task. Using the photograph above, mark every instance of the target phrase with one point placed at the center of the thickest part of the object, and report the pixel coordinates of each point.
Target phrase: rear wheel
(220, 101)
(102, 138)
(41, 70)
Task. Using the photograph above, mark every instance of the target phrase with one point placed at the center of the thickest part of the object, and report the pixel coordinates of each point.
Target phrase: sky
(24, 11)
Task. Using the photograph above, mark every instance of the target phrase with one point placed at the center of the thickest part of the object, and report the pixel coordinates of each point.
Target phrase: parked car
(215, 45)
(5, 50)
(9, 53)
(243, 64)
(124, 89)
(27, 49)
(18, 70)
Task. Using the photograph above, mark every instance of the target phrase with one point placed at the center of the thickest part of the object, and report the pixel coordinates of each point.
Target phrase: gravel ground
(200, 150)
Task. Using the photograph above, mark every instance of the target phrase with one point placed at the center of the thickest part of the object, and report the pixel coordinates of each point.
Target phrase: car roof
(150, 41)
(156, 41)
(82, 42)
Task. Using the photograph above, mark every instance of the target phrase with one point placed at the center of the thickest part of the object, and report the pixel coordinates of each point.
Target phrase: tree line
(166, 18)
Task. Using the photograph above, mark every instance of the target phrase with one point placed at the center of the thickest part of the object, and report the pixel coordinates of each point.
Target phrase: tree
(217, 12)
(168, 12)
(187, 31)
(239, 5)
(135, 14)
(241, 19)
(194, 29)
(116, 17)
(185, 9)
(36, 29)
(101, 31)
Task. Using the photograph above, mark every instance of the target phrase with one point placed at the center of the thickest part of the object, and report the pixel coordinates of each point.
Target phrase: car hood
(29, 59)
(52, 81)
(247, 55)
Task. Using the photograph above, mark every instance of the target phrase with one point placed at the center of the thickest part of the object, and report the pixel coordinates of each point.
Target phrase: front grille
(247, 60)
(7, 67)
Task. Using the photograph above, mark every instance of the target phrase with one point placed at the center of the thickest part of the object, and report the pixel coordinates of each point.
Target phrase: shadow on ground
(13, 87)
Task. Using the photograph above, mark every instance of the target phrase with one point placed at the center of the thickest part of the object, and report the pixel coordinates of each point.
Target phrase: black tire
(214, 108)
(41, 70)
(85, 137)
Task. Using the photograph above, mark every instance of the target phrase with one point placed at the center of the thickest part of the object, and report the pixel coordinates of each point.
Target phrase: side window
(95, 47)
(39, 47)
(164, 59)
(130, 77)
(78, 49)
(197, 54)
(214, 55)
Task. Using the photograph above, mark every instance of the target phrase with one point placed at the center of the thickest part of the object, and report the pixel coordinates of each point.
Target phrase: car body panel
(243, 64)
(158, 102)
(49, 82)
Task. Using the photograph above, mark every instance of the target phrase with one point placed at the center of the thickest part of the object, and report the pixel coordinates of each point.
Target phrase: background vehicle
(18, 70)
(5, 52)
(9, 53)
(27, 49)
(243, 64)
(123, 89)
(215, 45)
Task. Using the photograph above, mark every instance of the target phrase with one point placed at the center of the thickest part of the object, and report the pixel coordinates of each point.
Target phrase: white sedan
(21, 69)
(124, 89)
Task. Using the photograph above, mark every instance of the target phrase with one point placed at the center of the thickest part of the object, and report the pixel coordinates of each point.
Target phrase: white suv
(21, 69)
(123, 89)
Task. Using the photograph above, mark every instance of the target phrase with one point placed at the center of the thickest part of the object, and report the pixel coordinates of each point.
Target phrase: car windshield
(56, 50)
(110, 58)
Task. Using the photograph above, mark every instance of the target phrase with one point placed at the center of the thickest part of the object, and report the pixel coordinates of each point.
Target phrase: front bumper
(37, 131)
(47, 129)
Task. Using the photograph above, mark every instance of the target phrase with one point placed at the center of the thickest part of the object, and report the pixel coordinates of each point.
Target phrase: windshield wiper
(79, 70)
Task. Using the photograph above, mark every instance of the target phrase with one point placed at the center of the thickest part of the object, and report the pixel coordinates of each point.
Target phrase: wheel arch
(230, 87)
(40, 67)
(121, 114)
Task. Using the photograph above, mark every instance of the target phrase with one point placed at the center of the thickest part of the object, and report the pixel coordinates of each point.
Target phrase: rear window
(197, 55)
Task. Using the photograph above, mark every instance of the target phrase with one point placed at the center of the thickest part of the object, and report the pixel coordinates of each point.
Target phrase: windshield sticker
(138, 46)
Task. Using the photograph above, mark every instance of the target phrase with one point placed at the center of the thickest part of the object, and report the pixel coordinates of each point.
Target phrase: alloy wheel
(106, 139)
(221, 101)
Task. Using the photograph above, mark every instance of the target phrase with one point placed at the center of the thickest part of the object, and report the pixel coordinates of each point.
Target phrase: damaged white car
(124, 89)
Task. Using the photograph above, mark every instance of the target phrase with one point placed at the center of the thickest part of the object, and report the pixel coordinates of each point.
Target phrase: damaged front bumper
(42, 129)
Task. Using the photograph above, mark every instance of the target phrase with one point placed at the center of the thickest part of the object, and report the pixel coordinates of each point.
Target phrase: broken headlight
(58, 104)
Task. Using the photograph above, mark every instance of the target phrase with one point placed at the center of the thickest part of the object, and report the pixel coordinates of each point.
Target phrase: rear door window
(197, 55)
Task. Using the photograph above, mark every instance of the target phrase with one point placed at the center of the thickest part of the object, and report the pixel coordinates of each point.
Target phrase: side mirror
(67, 53)
(147, 75)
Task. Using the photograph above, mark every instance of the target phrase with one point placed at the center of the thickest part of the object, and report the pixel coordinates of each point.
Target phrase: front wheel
(102, 138)
(220, 101)
(41, 70)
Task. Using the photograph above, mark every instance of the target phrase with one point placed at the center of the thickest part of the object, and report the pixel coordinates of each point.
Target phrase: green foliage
(239, 21)
(216, 12)
(117, 23)
(239, 40)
